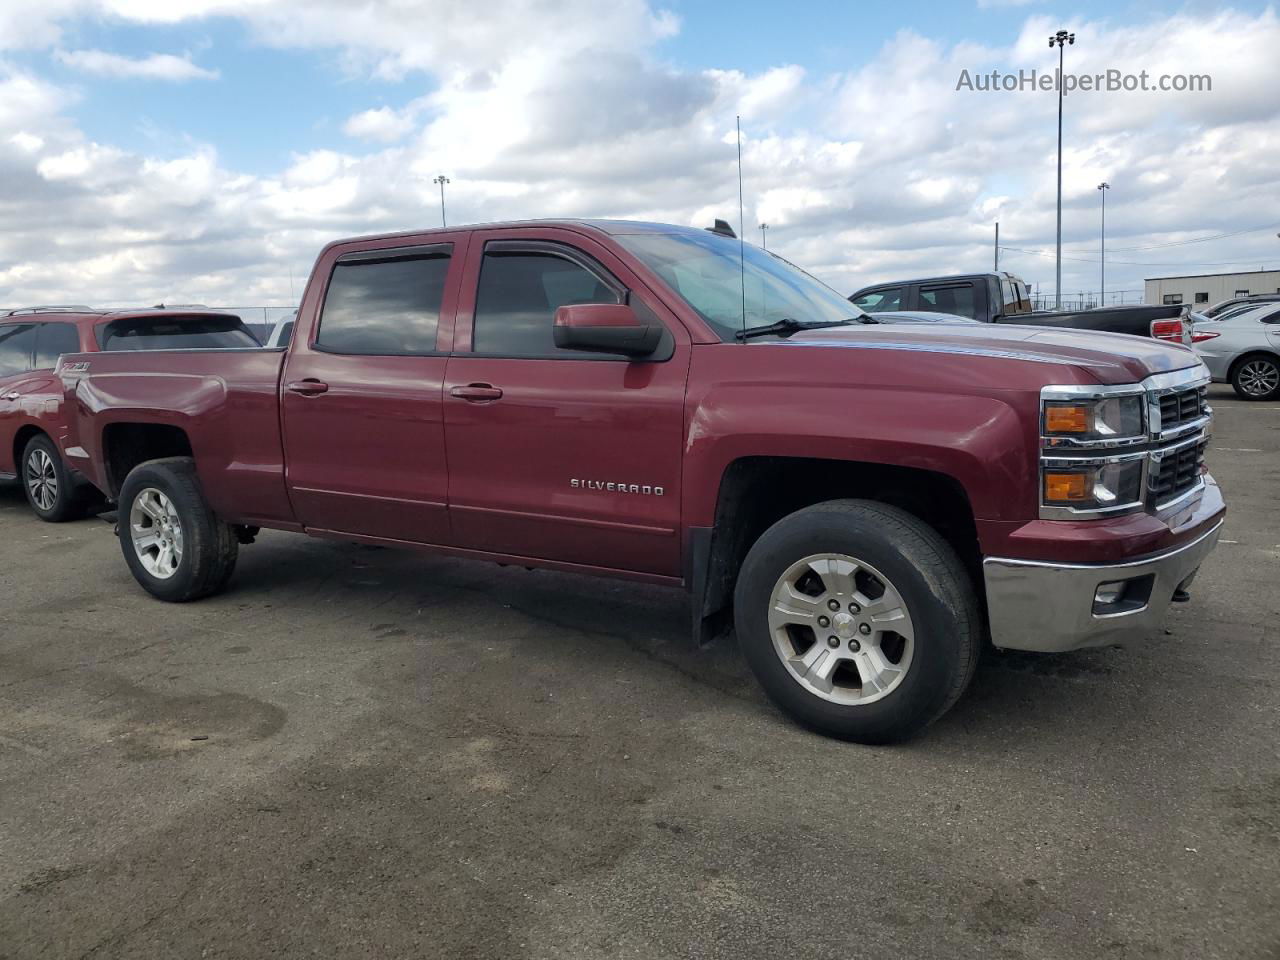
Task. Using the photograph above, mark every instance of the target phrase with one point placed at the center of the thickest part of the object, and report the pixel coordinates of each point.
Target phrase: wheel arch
(24, 435)
(125, 444)
(757, 491)
(1249, 354)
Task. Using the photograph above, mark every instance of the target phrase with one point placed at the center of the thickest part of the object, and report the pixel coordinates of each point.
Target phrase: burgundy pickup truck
(865, 506)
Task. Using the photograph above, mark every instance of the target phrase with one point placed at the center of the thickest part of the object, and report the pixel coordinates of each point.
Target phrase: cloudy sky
(204, 150)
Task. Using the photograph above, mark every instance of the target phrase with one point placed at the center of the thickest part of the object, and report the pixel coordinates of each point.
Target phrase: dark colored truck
(865, 506)
(1004, 298)
(31, 425)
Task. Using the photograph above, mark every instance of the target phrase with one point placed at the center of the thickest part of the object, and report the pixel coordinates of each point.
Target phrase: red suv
(32, 339)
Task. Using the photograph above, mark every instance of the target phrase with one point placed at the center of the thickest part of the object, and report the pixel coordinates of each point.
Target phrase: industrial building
(1207, 289)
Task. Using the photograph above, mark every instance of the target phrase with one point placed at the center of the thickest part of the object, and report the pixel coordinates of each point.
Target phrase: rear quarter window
(16, 343)
(52, 341)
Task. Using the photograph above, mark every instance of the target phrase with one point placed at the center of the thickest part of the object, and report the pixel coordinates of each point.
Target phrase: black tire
(209, 546)
(1269, 363)
(68, 496)
(935, 590)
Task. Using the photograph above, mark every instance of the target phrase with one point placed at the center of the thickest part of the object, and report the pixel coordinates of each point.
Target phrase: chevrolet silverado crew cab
(863, 505)
(31, 422)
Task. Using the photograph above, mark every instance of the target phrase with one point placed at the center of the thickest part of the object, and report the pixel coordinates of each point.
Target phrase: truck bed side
(220, 406)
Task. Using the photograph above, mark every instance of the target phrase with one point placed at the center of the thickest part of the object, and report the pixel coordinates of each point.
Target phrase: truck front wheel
(858, 619)
(175, 546)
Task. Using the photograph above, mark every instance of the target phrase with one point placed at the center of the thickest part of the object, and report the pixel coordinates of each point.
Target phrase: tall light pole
(442, 180)
(1060, 40)
(763, 241)
(1103, 187)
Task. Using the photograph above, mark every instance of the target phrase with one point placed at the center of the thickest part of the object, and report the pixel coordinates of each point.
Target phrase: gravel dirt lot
(408, 756)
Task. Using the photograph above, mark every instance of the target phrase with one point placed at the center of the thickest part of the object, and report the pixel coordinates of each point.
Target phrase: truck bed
(226, 401)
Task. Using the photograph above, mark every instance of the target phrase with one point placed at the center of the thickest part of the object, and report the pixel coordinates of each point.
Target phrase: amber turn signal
(1065, 487)
(1066, 418)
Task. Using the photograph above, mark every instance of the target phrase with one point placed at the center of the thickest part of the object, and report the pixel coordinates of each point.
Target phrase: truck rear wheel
(858, 619)
(175, 546)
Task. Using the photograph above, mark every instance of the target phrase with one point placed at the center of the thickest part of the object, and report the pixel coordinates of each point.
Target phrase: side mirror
(605, 328)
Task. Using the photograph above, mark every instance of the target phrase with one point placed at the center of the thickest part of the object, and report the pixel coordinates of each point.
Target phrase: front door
(558, 454)
(363, 422)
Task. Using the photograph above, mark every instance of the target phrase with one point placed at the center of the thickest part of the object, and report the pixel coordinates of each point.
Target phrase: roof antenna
(742, 266)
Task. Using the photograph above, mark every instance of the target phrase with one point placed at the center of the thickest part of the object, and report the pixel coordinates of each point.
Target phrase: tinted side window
(957, 298)
(52, 341)
(384, 307)
(880, 300)
(517, 300)
(16, 341)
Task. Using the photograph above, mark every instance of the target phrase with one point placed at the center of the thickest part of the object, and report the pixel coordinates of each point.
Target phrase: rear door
(361, 392)
(960, 297)
(558, 454)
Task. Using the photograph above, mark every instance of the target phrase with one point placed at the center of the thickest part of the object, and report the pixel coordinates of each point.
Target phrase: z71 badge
(644, 489)
(79, 366)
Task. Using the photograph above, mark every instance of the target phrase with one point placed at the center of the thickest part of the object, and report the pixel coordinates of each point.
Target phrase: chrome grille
(1176, 472)
(1182, 407)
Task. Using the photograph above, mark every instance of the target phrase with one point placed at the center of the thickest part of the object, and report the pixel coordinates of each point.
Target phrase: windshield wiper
(787, 326)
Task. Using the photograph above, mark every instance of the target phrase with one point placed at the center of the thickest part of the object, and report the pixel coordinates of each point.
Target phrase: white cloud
(382, 124)
(562, 110)
(157, 66)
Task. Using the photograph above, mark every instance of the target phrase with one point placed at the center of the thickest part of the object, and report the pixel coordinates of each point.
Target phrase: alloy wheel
(841, 628)
(42, 479)
(156, 533)
(1259, 378)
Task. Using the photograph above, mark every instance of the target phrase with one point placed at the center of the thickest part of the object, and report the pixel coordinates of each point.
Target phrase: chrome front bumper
(1050, 607)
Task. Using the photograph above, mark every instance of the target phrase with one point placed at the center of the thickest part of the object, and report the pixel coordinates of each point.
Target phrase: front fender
(981, 442)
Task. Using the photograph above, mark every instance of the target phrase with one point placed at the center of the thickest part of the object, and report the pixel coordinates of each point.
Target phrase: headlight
(1113, 484)
(1106, 419)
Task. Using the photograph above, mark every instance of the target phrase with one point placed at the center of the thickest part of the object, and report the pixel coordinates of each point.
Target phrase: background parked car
(1004, 298)
(1244, 350)
(282, 331)
(32, 339)
(918, 316)
(1219, 310)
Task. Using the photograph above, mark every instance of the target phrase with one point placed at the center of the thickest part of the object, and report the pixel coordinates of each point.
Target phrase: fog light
(1109, 593)
(1123, 596)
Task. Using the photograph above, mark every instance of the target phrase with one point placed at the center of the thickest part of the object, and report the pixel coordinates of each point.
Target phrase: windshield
(704, 270)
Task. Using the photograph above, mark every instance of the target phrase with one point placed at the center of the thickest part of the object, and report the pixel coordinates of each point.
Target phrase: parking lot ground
(361, 752)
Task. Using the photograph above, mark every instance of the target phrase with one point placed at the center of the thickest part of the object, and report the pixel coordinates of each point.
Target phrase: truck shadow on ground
(1038, 695)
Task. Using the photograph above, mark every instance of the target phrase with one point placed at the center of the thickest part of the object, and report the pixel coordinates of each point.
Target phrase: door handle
(477, 392)
(309, 387)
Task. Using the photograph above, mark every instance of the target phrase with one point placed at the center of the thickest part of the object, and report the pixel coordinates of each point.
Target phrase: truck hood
(1112, 358)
